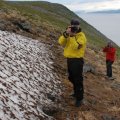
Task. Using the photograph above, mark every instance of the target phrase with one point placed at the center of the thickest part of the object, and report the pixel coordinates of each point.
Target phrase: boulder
(89, 68)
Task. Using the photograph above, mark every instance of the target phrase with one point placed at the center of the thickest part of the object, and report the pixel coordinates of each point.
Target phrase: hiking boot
(72, 95)
(111, 78)
(106, 76)
(78, 103)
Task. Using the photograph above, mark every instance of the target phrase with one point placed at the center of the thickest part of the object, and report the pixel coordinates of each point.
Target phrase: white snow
(26, 78)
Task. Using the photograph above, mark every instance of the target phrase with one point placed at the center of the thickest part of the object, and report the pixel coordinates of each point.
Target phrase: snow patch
(26, 77)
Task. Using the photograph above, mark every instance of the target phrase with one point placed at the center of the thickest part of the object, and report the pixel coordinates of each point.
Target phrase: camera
(74, 29)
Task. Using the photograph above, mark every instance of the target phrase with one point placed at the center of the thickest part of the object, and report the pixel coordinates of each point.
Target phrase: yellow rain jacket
(71, 45)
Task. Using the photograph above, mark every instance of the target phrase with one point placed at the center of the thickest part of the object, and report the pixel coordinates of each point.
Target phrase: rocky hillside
(33, 79)
(102, 96)
(34, 85)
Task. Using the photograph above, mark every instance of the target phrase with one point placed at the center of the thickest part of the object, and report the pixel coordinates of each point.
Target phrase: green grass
(49, 13)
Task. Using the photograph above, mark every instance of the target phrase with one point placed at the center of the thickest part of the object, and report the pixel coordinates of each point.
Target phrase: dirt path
(102, 100)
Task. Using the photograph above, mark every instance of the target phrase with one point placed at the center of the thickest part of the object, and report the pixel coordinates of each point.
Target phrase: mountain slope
(53, 16)
(45, 22)
(101, 95)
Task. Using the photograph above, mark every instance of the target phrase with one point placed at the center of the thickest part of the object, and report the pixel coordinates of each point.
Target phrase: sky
(85, 5)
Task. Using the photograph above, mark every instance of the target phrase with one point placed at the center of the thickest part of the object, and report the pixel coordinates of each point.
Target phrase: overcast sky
(86, 5)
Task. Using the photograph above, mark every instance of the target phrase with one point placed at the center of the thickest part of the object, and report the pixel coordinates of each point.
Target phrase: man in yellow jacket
(74, 42)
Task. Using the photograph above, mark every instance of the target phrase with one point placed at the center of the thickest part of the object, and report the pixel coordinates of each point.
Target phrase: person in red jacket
(110, 58)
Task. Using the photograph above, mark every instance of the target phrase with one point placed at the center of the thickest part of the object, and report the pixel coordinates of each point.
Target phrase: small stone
(108, 117)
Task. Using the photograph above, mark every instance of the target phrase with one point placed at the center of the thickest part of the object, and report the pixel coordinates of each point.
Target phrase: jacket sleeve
(113, 50)
(62, 40)
(105, 49)
(109, 50)
(82, 39)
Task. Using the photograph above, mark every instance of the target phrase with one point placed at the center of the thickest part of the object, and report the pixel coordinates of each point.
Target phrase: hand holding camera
(70, 31)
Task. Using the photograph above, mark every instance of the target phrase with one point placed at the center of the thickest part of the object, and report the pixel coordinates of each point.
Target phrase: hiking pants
(75, 70)
(109, 68)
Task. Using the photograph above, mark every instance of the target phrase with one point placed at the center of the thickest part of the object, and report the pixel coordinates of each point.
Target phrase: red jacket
(110, 53)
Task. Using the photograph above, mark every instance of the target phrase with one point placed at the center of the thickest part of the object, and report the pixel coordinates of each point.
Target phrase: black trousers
(75, 70)
(109, 68)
